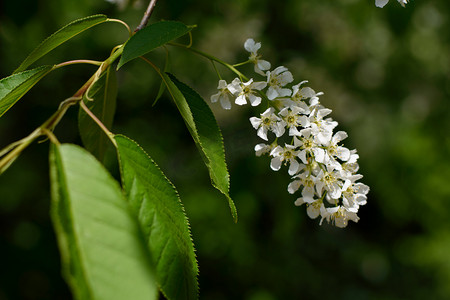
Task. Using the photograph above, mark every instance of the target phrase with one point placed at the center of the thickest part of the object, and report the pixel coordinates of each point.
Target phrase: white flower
(260, 65)
(350, 166)
(223, 95)
(246, 90)
(286, 154)
(292, 118)
(354, 194)
(333, 150)
(298, 95)
(276, 80)
(308, 181)
(261, 149)
(382, 3)
(308, 146)
(322, 128)
(338, 215)
(329, 180)
(268, 121)
(313, 209)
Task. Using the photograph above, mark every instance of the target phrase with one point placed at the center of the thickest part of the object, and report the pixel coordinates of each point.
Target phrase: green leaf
(59, 37)
(203, 127)
(103, 252)
(161, 215)
(103, 105)
(152, 37)
(12, 88)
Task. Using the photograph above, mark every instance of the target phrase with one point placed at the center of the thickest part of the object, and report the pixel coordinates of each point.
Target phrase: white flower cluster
(382, 3)
(323, 171)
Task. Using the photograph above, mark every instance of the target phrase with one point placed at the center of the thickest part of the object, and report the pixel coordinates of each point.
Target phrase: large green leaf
(12, 88)
(102, 103)
(103, 250)
(206, 133)
(161, 215)
(59, 37)
(152, 37)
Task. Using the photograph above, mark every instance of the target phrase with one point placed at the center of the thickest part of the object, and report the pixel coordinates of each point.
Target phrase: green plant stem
(227, 65)
(215, 69)
(15, 150)
(242, 63)
(51, 136)
(12, 151)
(153, 66)
(78, 61)
(212, 58)
(99, 123)
(123, 23)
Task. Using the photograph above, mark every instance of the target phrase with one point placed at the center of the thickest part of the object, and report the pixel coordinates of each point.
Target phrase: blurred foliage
(386, 75)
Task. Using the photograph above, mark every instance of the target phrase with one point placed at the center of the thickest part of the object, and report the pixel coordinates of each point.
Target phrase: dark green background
(386, 75)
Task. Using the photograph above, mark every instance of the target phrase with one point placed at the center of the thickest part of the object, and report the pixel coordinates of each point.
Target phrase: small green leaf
(59, 37)
(152, 37)
(161, 215)
(103, 251)
(206, 133)
(103, 106)
(12, 88)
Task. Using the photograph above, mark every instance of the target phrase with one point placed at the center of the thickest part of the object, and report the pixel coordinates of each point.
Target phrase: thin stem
(85, 86)
(12, 151)
(51, 122)
(213, 58)
(116, 52)
(99, 123)
(123, 23)
(242, 63)
(215, 68)
(153, 66)
(146, 16)
(50, 136)
(78, 61)
(190, 40)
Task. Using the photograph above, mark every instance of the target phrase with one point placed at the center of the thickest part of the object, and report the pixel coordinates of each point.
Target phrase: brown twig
(146, 16)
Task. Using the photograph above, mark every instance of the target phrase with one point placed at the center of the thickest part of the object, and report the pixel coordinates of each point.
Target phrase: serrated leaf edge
(186, 220)
(121, 61)
(227, 195)
(50, 68)
(56, 32)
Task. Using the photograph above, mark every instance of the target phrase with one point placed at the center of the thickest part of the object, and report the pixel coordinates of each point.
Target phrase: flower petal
(381, 3)
(275, 163)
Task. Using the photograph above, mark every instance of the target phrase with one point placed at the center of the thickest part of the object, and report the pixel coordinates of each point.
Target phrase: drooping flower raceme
(323, 171)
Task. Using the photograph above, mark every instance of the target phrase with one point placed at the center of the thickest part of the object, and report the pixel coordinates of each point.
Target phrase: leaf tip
(120, 64)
